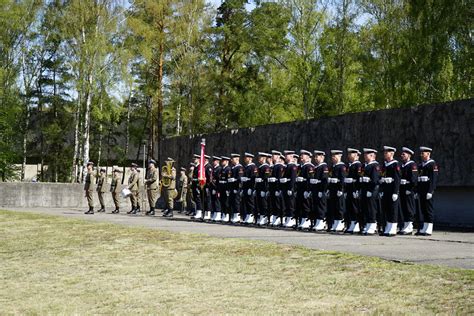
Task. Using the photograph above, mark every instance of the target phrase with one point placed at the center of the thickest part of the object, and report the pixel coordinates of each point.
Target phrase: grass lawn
(54, 265)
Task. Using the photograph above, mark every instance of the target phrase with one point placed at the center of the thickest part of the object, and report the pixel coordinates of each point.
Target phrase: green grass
(54, 265)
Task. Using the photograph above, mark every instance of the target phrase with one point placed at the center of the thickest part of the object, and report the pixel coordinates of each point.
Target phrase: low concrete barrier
(454, 206)
(64, 195)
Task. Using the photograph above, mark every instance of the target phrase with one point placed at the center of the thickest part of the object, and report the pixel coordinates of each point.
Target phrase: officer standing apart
(390, 186)
(408, 181)
(101, 189)
(133, 187)
(354, 171)
(169, 191)
(369, 183)
(427, 180)
(152, 186)
(89, 185)
(115, 189)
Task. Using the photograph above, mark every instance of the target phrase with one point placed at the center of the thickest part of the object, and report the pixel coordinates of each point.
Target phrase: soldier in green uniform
(101, 189)
(133, 187)
(182, 189)
(169, 190)
(89, 186)
(115, 189)
(151, 184)
(190, 204)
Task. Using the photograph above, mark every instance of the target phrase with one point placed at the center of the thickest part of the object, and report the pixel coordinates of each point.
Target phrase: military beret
(288, 152)
(407, 150)
(225, 158)
(423, 148)
(369, 151)
(249, 155)
(336, 152)
(388, 148)
(216, 158)
(319, 153)
(305, 152)
(353, 150)
(263, 154)
(276, 152)
(235, 155)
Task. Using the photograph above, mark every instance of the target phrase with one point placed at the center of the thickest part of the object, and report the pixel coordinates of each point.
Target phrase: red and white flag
(202, 174)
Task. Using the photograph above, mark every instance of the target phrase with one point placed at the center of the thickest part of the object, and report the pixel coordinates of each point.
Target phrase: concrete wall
(63, 195)
(446, 127)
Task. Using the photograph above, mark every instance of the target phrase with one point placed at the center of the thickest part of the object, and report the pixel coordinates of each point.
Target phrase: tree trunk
(87, 118)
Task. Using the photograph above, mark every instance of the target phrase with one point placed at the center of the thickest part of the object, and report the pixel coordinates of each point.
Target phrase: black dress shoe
(89, 212)
(168, 214)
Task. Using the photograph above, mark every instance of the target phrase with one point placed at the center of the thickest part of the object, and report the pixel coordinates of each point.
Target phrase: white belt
(386, 180)
(314, 181)
(333, 180)
(364, 179)
(349, 180)
(299, 179)
(222, 182)
(423, 179)
(284, 180)
(244, 179)
(403, 181)
(258, 180)
(230, 180)
(272, 179)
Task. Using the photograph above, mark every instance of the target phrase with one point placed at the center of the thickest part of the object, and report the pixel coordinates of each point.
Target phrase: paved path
(454, 249)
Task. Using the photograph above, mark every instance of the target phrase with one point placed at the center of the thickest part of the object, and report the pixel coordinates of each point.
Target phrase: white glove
(277, 193)
(306, 194)
(249, 192)
(415, 195)
(267, 194)
(262, 194)
(407, 192)
(429, 196)
(213, 192)
(355, 194)
(320, 194)
(339, 193)
(369, 194)
(327, 193)
(198, 191)
(345, 195)
(394, 197)
(227, 193)
(241, 193)
(235, 191)
(289, 192)
(207, 191)
(254, 193)
(381, 195)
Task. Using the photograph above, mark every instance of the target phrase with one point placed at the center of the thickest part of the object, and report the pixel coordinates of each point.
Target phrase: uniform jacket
(319, 181)
(409, 176)
(89, 183)
(354, 172)
(101, 184)
(337, 174)
(291, 172)
(115, 184)
(427, 170)
(133, 181)
(151, 181)
(390, 181)
(261, 181)
(369, 180)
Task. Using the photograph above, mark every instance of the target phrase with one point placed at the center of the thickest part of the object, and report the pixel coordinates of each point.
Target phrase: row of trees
(92, 79)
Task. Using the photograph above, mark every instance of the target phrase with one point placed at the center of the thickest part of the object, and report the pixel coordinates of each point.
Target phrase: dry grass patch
(54, 265)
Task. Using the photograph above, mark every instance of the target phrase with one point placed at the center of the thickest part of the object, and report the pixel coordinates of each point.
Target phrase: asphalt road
(453, 249)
